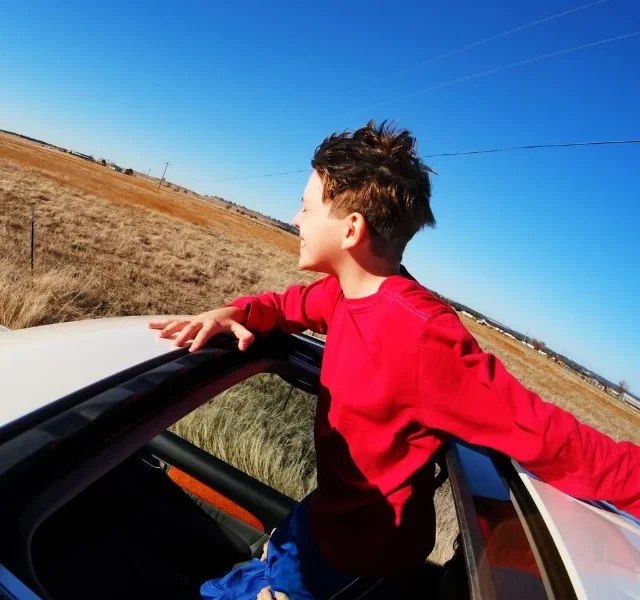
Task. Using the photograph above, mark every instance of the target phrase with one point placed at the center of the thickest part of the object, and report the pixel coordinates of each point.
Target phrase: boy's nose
(295, 221)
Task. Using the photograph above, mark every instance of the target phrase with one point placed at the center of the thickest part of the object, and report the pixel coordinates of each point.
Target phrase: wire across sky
(467, 153)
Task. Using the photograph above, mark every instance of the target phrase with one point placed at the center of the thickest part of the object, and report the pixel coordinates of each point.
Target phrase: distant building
(630, 400)
(81, 155)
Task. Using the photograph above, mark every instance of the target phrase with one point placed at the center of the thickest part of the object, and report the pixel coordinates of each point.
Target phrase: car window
(262, 426)
(501, 562)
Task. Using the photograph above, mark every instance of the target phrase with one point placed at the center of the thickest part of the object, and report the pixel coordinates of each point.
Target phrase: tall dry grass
(59, 294)
(234, 427)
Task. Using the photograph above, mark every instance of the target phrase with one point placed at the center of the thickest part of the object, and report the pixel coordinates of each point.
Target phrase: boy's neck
(357, 282)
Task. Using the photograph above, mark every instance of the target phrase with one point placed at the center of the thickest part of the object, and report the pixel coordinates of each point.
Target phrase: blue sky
(545, 241)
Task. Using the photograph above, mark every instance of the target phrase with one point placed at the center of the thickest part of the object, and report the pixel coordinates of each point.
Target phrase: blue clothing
(294, 566)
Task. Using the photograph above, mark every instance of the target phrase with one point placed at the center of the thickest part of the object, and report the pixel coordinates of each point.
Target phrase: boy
(400, 373)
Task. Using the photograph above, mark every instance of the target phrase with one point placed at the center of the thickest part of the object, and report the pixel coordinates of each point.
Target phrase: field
(109, 244)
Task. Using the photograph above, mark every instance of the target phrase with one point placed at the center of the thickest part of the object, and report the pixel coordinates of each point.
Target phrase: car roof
(600, 550)
(39, 365)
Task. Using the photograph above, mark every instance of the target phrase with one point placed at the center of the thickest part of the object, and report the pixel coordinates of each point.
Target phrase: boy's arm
(469, 394)
(298, 308)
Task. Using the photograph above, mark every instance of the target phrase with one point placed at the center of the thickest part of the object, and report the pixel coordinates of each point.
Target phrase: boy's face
(320, 234)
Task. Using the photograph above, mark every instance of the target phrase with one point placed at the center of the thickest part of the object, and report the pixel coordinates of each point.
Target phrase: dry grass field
(109, 244)
(561, 386)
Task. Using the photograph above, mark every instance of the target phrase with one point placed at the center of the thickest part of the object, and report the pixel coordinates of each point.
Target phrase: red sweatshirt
(400, 373)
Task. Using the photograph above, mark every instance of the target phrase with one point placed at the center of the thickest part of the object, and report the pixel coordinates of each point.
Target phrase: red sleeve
(298, 308)
(468, 393)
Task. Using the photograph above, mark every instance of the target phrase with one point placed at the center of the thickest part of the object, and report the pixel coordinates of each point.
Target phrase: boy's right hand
(204, 326)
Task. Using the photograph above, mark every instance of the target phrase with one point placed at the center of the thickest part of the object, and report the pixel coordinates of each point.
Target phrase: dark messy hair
(376, 171)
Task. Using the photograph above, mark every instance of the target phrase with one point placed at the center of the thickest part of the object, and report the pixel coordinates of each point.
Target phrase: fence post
(33, 235)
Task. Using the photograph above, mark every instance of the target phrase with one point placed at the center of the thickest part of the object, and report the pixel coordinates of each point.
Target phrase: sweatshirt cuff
(252, 317)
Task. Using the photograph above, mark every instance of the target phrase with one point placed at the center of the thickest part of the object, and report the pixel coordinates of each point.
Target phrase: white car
(91, 505)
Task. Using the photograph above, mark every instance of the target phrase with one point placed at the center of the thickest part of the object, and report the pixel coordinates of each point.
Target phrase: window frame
(480, 475)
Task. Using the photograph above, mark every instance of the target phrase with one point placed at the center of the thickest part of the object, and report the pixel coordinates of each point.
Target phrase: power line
(263, 175)
(533, 147)
(479, 43)
(469, 153)
(519, 63)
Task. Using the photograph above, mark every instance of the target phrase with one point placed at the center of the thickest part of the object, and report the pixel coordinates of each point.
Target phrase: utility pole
(148, 171)
(33, 235)
(163, 173)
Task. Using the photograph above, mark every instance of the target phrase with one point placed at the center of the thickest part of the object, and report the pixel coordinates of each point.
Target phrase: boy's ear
(355, 229)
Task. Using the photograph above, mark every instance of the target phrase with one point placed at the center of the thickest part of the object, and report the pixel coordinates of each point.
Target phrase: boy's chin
(307, 266)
